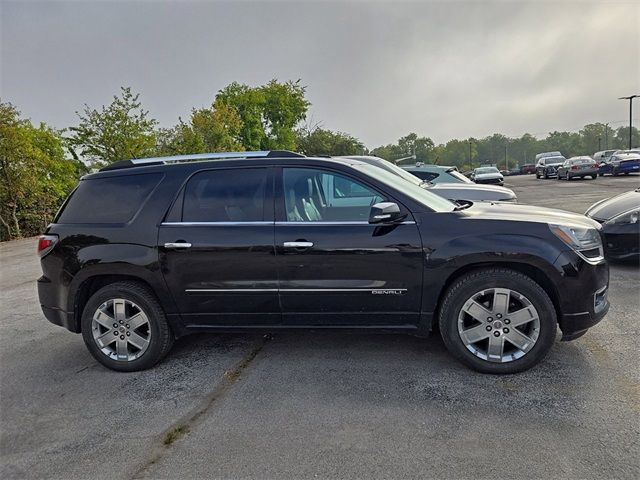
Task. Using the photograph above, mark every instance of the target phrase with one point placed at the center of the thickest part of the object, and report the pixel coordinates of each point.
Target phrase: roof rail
(138, 162)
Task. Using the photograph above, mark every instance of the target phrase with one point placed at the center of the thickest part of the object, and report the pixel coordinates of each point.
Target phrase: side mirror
(385, 212)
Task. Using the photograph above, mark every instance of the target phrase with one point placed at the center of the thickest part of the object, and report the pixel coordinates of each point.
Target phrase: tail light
(46, 244)
(574, 167)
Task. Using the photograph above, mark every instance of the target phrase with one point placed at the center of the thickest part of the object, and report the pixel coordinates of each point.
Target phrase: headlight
(578, 238)
(625, 218)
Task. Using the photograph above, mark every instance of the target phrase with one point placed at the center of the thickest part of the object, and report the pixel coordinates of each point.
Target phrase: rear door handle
(177, 245)
(298, 244)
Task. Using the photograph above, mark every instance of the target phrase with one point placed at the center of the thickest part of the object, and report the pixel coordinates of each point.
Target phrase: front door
(335, 268)
(217, 249)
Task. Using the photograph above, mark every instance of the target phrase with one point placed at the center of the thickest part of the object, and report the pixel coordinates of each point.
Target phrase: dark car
(577, 167)
(444, 181)
(547, 167)
(620, 225)
(148, 250)
(620, 163)
(527, 169)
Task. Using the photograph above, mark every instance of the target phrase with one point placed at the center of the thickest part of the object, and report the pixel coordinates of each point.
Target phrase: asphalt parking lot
(305, 404)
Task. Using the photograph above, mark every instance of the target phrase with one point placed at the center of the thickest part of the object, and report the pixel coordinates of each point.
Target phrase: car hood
(528, 213)
(610, 207)
(472, 191)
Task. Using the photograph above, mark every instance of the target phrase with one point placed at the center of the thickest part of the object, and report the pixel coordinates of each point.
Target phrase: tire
(144, 345)
(452, 318)
(558, 177)
(614, 172)
(594, 177)
(545, 176)
(568, 178)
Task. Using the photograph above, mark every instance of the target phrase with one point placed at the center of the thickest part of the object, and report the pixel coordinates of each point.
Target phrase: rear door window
(109, 199)
(233, 195)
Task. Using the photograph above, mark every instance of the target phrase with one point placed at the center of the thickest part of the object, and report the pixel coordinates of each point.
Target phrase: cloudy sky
(377, 70)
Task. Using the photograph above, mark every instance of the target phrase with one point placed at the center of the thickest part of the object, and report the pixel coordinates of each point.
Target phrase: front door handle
(177, 245)
(298, 244)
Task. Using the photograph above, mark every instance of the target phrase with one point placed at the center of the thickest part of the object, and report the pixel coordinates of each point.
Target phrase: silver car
(457, 192)
(489, 175)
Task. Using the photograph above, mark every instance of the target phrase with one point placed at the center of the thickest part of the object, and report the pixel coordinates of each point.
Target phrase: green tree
(320, 141)
(270, 113)
(118, 131)
(34, 174)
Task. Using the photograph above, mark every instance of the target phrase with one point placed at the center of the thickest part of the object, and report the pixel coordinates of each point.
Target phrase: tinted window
(234, 195)
(109, 199)
(313, 195)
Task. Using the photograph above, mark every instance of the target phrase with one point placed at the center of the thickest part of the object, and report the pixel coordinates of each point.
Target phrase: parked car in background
(127, 261)
(487, 175)
(620, 224)
(578, 167)
(602, 156)
(515, 171)
(547, 166)
(437, 174)
(528, 168)
(446, 182)
(620, 163)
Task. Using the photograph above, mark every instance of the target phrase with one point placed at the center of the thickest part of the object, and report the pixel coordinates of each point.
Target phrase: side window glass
(313, 195)
(234, 195)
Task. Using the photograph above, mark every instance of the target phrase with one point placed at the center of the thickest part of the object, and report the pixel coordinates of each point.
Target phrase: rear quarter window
(109, 199)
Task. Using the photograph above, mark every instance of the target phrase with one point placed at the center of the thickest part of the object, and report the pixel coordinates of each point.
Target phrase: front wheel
(498, 321)
(125, 328)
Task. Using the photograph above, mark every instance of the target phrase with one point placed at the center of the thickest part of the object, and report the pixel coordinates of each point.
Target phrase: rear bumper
(49, 302)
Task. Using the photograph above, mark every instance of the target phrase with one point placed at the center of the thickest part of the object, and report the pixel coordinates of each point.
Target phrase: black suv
(148, 250)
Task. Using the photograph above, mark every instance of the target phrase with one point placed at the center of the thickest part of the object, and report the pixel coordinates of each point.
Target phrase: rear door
(217, 249)
(335, 268)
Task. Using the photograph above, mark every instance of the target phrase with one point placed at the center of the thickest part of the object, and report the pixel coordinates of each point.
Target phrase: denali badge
(389, 291)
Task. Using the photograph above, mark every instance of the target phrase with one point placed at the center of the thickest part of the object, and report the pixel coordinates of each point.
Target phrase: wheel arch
(535, 273)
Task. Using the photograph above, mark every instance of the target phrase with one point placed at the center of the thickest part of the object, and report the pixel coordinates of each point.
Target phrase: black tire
(568, 178)
(471, 283)
(594, 177)
(545, 175)
(161, 338)
(614, 172)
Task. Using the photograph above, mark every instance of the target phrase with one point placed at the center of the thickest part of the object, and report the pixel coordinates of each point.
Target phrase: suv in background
(547, 164)
(148, 250)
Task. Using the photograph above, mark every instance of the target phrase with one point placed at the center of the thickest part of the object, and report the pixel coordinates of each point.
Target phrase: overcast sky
(377, 70)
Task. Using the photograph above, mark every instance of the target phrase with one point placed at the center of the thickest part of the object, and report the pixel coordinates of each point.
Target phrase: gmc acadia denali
(148, 250)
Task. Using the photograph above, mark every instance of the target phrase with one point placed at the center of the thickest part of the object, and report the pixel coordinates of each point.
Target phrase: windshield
(411, 188)
(486, 170)
(401, 172)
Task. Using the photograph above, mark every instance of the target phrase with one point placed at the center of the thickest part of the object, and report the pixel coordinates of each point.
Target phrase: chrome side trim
(284, 224)
(377, 290)
(214, 224)
(192, 290)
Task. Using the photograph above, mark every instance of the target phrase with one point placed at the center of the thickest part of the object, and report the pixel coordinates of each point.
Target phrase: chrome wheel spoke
(121, 349)
(496, 348)
(137, 341)
(476, 310)
(501, 300)
(119, 309)
(519, 340)
(137, 320)
(523, 316)
(106, 338)
(475, 334)
(103, 319)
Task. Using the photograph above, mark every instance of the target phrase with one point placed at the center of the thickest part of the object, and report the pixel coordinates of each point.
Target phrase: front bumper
(583, 294)
(622, 246)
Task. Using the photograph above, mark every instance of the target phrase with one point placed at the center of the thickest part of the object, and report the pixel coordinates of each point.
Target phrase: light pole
(630, 98)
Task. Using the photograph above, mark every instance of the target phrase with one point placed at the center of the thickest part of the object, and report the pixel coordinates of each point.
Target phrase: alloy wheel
(498, 325)
(121, 329)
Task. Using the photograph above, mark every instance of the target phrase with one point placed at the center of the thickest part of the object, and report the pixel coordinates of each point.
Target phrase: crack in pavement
(181, 427)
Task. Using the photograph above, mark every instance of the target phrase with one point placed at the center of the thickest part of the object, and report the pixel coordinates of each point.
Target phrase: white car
(487, 175)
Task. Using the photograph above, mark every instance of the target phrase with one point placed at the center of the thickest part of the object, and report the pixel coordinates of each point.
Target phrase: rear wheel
(497, 321)
(124, 327)
(594, 177)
